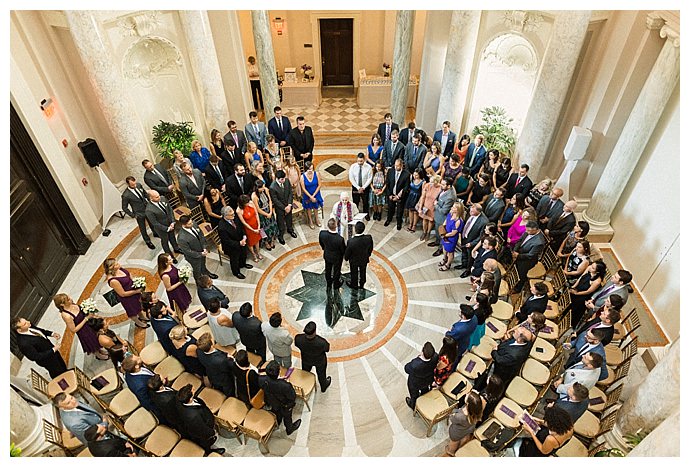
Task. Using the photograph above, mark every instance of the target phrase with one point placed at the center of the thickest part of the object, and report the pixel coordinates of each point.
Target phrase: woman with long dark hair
(446, 357)
(463, 422)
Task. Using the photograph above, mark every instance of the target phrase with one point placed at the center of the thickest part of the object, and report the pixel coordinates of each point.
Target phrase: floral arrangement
(88, 306)
(139, 282)
(308, 71)
(386, 69)
(185, 272)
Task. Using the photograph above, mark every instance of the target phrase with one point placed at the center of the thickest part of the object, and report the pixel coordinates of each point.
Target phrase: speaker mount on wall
(92, 153)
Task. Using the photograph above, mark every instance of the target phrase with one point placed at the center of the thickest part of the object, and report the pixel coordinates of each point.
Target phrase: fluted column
(664, 441)
(632, 141)
(266, 60)
(462, 41)
(25, 425)
(402, 56)
(569, 30)
(202, 52)
(104, 75)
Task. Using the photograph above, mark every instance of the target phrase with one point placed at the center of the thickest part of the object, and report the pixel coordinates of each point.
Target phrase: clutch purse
(111, 297)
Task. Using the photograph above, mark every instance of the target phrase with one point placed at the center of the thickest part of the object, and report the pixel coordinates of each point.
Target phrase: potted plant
(631, 440)
(497, 130)
(170, 136)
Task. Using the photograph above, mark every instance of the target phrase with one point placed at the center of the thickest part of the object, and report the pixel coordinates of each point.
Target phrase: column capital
(655, 21)
(670, 34)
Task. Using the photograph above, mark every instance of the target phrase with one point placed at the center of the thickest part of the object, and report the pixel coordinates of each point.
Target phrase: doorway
(336, 51)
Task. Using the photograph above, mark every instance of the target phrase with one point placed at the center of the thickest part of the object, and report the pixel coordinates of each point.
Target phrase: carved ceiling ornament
(140, 24)
(522, 21)
(513, 52)
(148, 57)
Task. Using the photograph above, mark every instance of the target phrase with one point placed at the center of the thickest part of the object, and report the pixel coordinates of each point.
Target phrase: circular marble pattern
(354, 322)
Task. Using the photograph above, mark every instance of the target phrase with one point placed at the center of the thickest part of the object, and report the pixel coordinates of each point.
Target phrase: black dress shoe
(212, 276)
(387, 223)
(248, 266)
(295, 425)
(220, 451)
(328, 383)
(466, 273)
(366, 217)
(239, 275)
(150, 245)
(353, 287)
(438, 252)
(458, 267)
(399, 227)
(281, 240)
(293, 234)
(408, 401)
(174, 261)
(434, 243)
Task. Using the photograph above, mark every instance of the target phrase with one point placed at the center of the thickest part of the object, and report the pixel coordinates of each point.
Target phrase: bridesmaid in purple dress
(75, 320)
(177, 291)
(121, 282)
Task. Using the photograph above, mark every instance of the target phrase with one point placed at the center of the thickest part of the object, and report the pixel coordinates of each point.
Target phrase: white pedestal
(112, 198)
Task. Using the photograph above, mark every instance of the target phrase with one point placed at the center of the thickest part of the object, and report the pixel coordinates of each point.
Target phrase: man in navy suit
(421, 373)
(279, 126)
(486, 251)
(386, 128)
(527, 252)
(462, 330)
(586, 342)
(518, 182)
(510, 354)
(446, 138)
(392, 150)
(537, 302)
(137, 377)
(476, 152)
(216, 172)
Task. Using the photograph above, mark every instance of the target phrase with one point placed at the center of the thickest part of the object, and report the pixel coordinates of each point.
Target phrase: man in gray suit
(162, 221)
(471, 233)
(193, 246)
(392, 150)
(256, 130)
(192, 185)
(156, 177)
(135, 197)
(414, 154)
(77, 416)
(446, 198)
(617, 285)
(527, 252)
(281, 195)
(494, 205)
(549, 207)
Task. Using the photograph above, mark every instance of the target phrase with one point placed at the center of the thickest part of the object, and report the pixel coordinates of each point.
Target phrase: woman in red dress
(249, 216)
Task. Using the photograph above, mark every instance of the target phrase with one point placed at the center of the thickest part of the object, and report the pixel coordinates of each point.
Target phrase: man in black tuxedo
(216, 172)
(392, 150)
(102, 443)
(157, 178)
(193, 245)
(238, 184)
(510, 354)
(518, 182)
(549, 207)
(301, 140)
(358, 251)
(333, 246)
(558, 227)
(387, 127)
(313, 349)
(280, 396)
(135, 197)
(249, 328)
(537, 302)
(397, 186)
(421, 374)
(197, 420)
(162, 221)
(279, 126)
(164, 398)
(494, 205)
(407, 134)
(34, 344)
(192, 185)
(217, 364)
(471, 234)
(281, 195)
(235, 141)
(527, 252)
(233, 241)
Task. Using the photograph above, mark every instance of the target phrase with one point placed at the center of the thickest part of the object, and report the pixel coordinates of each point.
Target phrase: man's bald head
(570, 206)
(490, 265)
(154, 196)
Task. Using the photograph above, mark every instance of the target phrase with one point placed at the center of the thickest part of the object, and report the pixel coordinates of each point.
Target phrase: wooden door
(336, 51)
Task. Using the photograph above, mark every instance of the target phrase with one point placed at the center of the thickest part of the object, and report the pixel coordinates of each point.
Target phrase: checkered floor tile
(339, 114)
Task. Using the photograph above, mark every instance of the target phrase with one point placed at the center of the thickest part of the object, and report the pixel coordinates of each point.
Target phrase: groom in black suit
(281, 195)
(233, 241)
(358, 252)
(34, 344)
(398, 183)
(333, 246)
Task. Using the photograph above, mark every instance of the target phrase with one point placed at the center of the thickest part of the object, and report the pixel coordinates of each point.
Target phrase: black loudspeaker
(92, 152)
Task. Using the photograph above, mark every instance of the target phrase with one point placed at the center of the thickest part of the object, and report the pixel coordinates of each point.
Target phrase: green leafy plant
(497, 130)
(170, 136)
(632, 440)
(15, 451)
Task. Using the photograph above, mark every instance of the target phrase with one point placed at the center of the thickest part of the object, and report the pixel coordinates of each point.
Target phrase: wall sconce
(279, 25)
(48, 107)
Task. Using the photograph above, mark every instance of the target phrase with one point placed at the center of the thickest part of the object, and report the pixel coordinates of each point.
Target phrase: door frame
(356, 18)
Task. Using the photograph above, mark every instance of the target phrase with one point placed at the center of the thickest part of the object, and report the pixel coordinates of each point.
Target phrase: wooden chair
(304, 383)
(231, 415)
(615, 355)
(140, 424)
(617, 374)
(49, 389)
(199, 216)
(169, 368)
(178, 206)
(161, 441)
(123, 404)
(611, 398)
(454, 379)
(110, 375)
(522, 391)
(187, 378)
(187, 448)
(473, 448)
(484, 348)
(433, 407)
(626, 327)
(588, 427)
(564, 324)
(195, 316)
(508, 282)
(543, 351)
(502, 310)
(546, 262)
(213, 399)
(259, 425)
(61, 438)
(471, 366)
(153, 354)
(215, 239)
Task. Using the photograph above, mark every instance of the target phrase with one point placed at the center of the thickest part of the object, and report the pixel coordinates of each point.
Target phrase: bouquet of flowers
(308, 71)
(185, 272)
(139, 282)
(386, 69)
(88, 306)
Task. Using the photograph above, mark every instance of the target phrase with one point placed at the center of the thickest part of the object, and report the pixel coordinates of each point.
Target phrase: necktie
(218, 171)
(551, 203)
(280, 124)
(397, 176)
(491, 203)
(256, 130)
(414, 154)
(160, 175)
(468, 226)
(517, 182)
(232, 223)
(241, 179)
(388, 132)
(603, 292)
(473, 154)
(197, 233)
(234, 135)
(359, 180)
(160, 206)
(36, 333)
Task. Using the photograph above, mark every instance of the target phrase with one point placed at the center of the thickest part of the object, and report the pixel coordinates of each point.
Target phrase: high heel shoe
(100, 356)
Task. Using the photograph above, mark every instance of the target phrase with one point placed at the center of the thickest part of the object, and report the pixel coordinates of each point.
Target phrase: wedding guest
(446, 356)
(184, 350)
(426, 205)
(261, 198)
(377, 194)
(311, 194)
(116, 347)
(175, 288)
(463, 422)
(76, 322)
(213, 204)
(249, 217)
(449, 239)
(199, 156)
(121, 282)
(413, 197)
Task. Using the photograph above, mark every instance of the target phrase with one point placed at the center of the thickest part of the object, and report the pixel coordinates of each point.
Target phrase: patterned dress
(269, 224)
(377, 182)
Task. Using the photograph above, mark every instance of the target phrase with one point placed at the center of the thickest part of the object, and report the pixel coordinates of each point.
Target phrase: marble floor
(373, 334)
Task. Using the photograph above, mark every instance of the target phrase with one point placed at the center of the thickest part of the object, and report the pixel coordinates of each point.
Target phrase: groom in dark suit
(398, 184)
(34, 344)
(358, 251)
(333, 246)
(281, 195)
(233, 241)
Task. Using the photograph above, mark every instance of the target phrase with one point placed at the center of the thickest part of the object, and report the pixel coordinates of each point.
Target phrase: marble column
(556, 72)
(650, 105)
(25, 425)
(462, 41)
(202, 52)
(261, 28)
(402, 56)
(104, 75)
(664, 441)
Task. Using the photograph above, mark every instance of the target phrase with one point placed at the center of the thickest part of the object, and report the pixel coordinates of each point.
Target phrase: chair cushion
(542, 350)
(186, 448)
(548, 284)
(551, 311)
(161, 441)
(85, 453)
(550, 331)
(140, 423)
(483, 350)
(260, 421)
(254, 359)
(573, 448)
(202, 330)
(608, 380)
(453, 380)
(431, 404)
(69, 440)
(304, 380)
(113, 379)
(537, 272)
(233, 411)
(213, 399)
(502, 310)
(192, 322)
(522, 391)
(503, 288)
(124, 403)
(153, 354)
(595, 393)
(475, 364)
(614, 356)
(587, 425)
(185, 379)
(169, 368)
(479, 432)
(473, 448)
(70, 377)
(499, 325)
(535, 372)
(504, 418)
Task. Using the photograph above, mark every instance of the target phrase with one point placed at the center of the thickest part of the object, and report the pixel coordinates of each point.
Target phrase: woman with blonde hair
(179, 159)
(294, 175)
(449, 239)
(199, 156)
(120, 280)
(425, 205)
(217, 144)
(185, 350)
(76, 321)
(253, 154)
(540, 189)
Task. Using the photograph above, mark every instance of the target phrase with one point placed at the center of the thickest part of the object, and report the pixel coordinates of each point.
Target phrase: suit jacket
(190, 190)
(543, 209)
(137, 384)
(230, 237)
(574, 409)
(497, 285)
(559, 228)
(390, 154)
(412, 162)
(531, 250)
(234, 190)
(508, 359)
(382, 130)
(281, 197)
(37, 348)
(313, 351)
(579, 346)
(219, 370)
(113, 446)
(241, 146)
(403, 185)
(137, 204)
(609, 330)
(493, 209)
(197, 421)
(212, 177)
(478, 158)
(461, 332)
(278, 393)
(450, 145)
(191, 245)
(281, 135)
(206, 295)
(359, 249)
(475, 232)
(79, 419)
(166, 404)
(162, 327)
(405, 136)
(301, 142)
(580, 375)
(446, 200)
(333, 246)
(258, 137)
(160, 219)
(599, 297)
(537, 304)
(478, 265)
(154, 182)
(250, 331)
(421, 373)
(523, 187)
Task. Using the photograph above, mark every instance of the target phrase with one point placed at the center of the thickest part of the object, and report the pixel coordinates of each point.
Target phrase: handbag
(442, 230)
(262, 232)
(111, 297)
(258, 400)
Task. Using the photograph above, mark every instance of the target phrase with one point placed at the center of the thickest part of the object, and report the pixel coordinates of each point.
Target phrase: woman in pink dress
(425, 206)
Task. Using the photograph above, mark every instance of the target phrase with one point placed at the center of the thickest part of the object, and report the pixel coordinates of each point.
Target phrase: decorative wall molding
(522, 21)
(140, 24)
(149, 57)
(511, 51)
